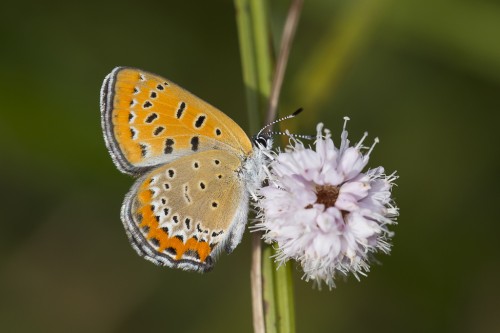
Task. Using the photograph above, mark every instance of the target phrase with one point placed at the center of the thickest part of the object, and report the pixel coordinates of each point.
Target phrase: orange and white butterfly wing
(185, 212)
(148, 120)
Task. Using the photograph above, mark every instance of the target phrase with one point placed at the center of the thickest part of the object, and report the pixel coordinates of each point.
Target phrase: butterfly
(196, 169)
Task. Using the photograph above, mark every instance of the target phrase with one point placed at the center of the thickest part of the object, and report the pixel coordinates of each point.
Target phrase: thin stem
(256, 284)
(269, 294)
(286, 44)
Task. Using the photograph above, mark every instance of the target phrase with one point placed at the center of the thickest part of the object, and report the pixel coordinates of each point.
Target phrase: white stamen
(361, 141)
(346, 119)
(373, 146)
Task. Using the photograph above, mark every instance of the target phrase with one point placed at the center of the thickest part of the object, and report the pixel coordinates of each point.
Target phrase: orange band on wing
(165, 241)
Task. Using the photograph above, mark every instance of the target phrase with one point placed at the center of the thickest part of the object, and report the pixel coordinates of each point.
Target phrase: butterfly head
(262, 141)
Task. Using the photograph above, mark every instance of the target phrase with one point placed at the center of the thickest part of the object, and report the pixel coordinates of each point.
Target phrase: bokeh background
(422, 75)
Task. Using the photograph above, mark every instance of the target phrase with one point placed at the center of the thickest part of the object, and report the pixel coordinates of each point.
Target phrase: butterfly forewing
(148, 120)
(184, 213)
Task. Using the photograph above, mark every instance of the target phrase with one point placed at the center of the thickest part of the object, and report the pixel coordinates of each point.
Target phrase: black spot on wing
(144, 149)
(158, 130)
(195, 142)
(169, 146)
(151, 118)
(215, 234)
(171, 250)
(192, 254)
(180, 110)
(199, 121)
(155, 241)
(186, 193)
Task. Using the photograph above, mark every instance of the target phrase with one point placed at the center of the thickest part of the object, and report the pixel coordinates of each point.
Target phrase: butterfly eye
(260, 141)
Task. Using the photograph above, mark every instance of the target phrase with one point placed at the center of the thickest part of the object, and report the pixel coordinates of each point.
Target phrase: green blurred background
(422, 75)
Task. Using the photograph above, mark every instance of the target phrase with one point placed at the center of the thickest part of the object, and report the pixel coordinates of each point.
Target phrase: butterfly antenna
(299, 110)
(300, 136)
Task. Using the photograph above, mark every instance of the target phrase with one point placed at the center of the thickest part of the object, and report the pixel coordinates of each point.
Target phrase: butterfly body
(196, 169)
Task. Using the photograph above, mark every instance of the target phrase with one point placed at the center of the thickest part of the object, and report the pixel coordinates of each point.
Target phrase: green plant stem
(249, 62)
(263, 53)
(283, 290)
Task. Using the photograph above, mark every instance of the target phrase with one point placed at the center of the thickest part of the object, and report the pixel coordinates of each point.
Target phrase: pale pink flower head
(323, 210)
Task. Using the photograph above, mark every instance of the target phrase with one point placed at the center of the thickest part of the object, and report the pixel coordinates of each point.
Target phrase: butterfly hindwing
(185, 212)
(148, 120)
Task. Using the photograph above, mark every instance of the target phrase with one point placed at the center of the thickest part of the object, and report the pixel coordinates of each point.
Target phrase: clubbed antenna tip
(299, 110)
